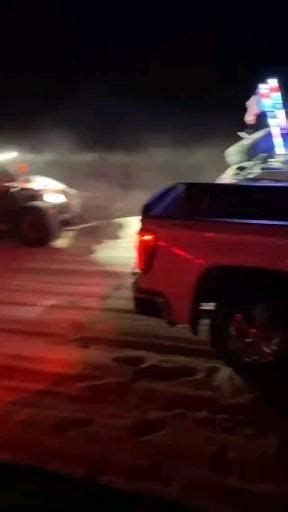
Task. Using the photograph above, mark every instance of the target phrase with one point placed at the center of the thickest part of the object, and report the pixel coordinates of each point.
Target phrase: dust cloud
(116, 183)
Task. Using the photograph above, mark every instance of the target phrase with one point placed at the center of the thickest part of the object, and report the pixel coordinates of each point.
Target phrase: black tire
(269, 377)
(37, 226)
(250, 336)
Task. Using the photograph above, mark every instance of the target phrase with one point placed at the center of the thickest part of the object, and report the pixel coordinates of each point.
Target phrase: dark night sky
(65, 56)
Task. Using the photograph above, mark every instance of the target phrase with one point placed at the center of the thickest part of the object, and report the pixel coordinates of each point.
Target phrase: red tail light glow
(147, 243)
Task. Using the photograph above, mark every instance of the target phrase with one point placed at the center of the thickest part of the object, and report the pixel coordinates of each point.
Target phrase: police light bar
(271, 102)
(277, 101)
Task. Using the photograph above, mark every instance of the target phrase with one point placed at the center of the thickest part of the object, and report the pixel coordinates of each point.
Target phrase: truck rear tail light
(147, 243)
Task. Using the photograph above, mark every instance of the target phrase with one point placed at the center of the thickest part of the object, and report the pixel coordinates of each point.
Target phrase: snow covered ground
(89, 388)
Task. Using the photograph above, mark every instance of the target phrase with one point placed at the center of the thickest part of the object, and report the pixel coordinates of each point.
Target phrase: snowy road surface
(89, 388)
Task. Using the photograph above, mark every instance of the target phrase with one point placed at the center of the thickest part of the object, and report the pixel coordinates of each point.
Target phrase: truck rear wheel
(37, 226)
(249, 335)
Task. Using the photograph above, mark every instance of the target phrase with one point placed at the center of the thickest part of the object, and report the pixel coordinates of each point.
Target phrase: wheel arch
(219, 283)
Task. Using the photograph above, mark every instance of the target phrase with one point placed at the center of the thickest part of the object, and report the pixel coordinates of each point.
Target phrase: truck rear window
(220, 202)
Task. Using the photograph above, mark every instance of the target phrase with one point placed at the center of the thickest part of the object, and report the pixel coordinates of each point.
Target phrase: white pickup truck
(221, 244)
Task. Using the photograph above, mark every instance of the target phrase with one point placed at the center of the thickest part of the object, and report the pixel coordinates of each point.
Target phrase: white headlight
(8, 156)
(53, 197)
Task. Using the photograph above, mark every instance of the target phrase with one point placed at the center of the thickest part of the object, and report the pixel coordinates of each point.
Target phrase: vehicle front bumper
(151, 303)
(71, 209)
